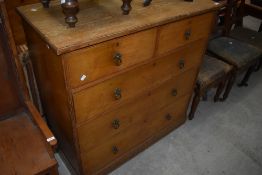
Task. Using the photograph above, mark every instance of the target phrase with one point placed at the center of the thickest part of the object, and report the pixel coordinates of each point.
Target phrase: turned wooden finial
(126, 7)
(147, 2)
(45, 3)
(70, 9)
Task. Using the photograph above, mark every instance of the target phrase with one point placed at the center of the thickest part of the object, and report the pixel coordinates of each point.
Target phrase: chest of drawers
(115, 84)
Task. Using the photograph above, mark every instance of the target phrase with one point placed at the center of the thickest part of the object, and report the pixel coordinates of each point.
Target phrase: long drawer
(177, 34)
(172, 114)
(116, 91)
(89, 64)
(105, 126)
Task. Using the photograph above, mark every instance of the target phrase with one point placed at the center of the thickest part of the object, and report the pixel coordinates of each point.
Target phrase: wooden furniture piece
(111, 87)
(241, 55)
(71, 8)
(25, 140)
(213, 73)
(18, 35)
(247, 35)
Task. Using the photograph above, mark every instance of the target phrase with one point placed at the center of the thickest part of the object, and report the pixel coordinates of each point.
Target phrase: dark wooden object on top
(26, 143)
(71, 8)
(213, 73)
(243, 56)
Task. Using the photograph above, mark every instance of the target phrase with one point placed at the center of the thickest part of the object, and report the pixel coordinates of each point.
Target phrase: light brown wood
(102, 20)
(100, 98)
(131, 137)
(49, 74)
(100, 129)
(82, 112)
(98, 61)
(175, 33)
(16, 22)
(39, 121)
(22, 149)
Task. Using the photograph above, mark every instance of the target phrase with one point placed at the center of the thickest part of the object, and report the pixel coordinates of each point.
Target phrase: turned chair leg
(230, 83)
(147, 2)
(195, 103)
(250, 70)
(126, 7)
(45, 3)
(70, 9)
(220, 89)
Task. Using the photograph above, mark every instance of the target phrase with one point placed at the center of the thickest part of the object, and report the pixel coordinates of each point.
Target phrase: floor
(223, 139)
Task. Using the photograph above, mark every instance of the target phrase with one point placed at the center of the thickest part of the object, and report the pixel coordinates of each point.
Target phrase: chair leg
(195, 103)
(250, 70)
(204, 96)
(220, 89)
(230, 83)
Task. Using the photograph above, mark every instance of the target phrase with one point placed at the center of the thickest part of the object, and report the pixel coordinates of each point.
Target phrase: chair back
(234, 13)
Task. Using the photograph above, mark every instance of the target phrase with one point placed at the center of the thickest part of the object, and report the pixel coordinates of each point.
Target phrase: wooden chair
(213, 73)
(26, 143)
(242, 56)
(245, 34)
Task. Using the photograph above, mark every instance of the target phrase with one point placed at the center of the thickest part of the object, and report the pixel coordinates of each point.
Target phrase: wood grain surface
(24, 151)
(102, 20)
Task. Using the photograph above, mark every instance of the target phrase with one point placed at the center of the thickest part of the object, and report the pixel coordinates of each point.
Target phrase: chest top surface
(101, 20)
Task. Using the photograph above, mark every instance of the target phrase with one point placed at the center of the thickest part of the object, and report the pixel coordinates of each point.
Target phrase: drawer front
(104, 154)
(116, 91)
(89, 64)
(134, 113)
(180, 33)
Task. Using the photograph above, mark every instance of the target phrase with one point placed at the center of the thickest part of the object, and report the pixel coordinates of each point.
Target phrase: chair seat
(22, 148)
(247, 35)
(233, 51)
(212, 70)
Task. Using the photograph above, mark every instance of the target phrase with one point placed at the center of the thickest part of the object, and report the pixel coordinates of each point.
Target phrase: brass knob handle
(118, 59)
(115, 150)
(168, 117)
(116, 124)
(118, 94)
(187, 34)
(174, 92)
(181, 63)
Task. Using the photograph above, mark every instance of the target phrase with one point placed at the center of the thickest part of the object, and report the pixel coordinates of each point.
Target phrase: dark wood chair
(213, 73)
(245, 34)
(241, 55)
(26, 143)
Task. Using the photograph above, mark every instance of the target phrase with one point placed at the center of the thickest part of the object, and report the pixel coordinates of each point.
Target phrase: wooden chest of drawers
(115, 84)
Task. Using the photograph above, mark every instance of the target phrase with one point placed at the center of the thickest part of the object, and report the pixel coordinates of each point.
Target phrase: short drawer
(134, 113)
(114, 92)
(119, 145)
(94, 62)
(174, 35)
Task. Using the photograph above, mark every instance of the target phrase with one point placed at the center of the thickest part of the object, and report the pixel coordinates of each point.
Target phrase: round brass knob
(174, 92)
(116, 124)
(168, 117)
(118, 59)
(181, 63)
(115, 150)
(118, 94)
